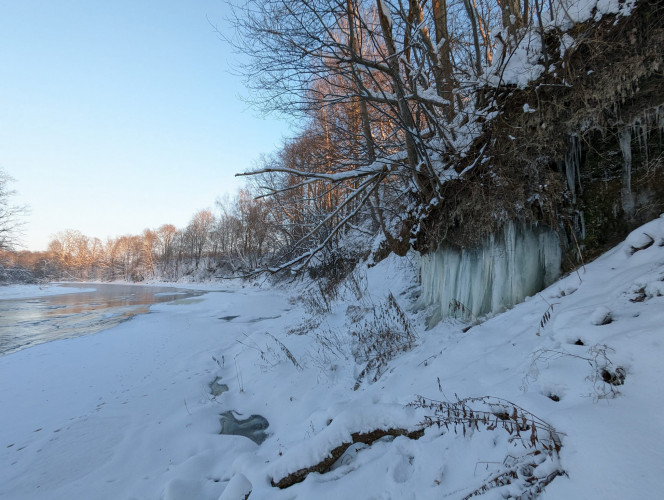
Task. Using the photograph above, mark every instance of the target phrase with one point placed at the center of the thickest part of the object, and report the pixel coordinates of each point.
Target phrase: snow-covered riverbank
(130, 413)
(125, 413)
(8, 292)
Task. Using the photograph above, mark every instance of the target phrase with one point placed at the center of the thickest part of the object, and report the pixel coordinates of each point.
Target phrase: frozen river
(27, 321)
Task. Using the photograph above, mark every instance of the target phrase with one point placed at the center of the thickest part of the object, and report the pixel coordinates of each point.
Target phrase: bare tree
(377, 87)
(11, 215)
(198, 232)
(150, 241)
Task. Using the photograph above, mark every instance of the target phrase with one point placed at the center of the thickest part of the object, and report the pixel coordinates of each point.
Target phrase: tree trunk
(444, 53)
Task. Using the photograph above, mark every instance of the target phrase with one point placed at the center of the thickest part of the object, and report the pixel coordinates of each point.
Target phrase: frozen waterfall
(510, 266)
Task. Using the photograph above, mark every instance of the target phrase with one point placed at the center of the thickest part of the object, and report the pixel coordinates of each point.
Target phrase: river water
(26, 322)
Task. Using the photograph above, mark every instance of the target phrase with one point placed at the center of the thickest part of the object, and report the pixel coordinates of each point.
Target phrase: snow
(238, 487)
(528, 109)
(128, 412)
(8, 292)
(521, 65)
(360, 419)
(644, 236)
(601, 316)
(385, 10)
(518, 66)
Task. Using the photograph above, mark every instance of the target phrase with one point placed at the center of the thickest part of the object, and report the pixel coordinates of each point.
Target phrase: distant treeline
(241, 235)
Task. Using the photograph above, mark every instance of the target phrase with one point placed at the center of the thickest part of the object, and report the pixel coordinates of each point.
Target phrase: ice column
(508, 267)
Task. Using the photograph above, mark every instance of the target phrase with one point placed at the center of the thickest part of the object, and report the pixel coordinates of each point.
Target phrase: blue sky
(120, 115)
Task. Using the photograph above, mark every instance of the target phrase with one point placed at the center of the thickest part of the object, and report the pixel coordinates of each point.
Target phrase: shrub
(379, 337)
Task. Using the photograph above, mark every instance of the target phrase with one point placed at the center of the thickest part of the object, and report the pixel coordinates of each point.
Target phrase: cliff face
(580, 149)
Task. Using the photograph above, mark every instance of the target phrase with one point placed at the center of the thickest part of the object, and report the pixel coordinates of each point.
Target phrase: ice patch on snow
(252, 427)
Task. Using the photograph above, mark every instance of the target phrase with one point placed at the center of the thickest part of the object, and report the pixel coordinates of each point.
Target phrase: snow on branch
(376, 167)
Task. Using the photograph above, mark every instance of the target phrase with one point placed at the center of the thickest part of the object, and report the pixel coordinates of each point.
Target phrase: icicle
(644, 138)
(640, 131)
(625, 138)
(636, 132)
(510, 266)
(573, 165)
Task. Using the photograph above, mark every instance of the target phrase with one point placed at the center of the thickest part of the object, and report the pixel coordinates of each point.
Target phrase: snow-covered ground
(130, 412)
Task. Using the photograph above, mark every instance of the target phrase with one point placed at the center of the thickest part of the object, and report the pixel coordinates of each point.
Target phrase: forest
(424, 125)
